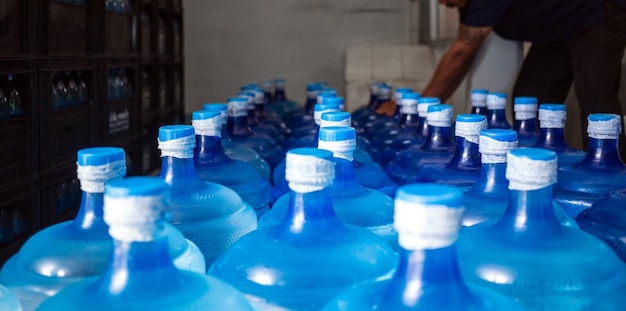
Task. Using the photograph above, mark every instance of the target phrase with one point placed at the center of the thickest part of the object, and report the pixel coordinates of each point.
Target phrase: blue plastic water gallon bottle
(525, 109)
(478, 98)
(372, 104)
(310, 255)
(263, 118)
(552, 136)
(605, 220)
(312, 89)
(427, 218)
(439, 147)
(214, 166)
(307, 136)
(306, 120)
(600, 172)
(529, 255)
(256, 127)
(373, 128)
(284, 107)
(353, 204)
(496, 111)
(417, 137)
(384, 95)
(240, 133)
(81, 246)
(210, 215)
(406, 125)
(463, 170)
(140, 274)
(16, 108)
(8, 301)
(235, 152)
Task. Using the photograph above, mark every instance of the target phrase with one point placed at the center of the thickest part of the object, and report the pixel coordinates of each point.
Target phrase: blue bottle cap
(337, 133)
(534, 154)
(99, 156)
(525, 100)
(237, 99)
(246, 94)
(500, 134)
(335, 116)
(431, 194)
(215, 107)
(404, 90)
(312, 87)
(170, 132)
(428, 100)
(329, 89)
(470, 118)
(322, 83)
(249, 86)
(498, 94)
(530, 169)
(552, 107)
(440, 107)
(479, 91)
(414, 96)
(205, 115)
(336, 101)
(279, 81)
(599, 117)
(136, 186)
(604, 125)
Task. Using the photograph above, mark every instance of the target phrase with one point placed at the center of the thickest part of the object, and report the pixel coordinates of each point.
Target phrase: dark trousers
(592, 60)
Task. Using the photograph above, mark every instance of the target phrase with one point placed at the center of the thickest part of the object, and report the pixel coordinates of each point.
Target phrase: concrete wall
(232, 42)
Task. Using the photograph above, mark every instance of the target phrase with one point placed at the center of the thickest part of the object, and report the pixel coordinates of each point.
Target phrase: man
(572, 40)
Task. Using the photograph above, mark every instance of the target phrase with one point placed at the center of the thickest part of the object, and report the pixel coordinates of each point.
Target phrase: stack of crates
(88, 73)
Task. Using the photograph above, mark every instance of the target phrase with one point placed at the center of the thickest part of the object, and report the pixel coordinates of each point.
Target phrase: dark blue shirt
(537, 21)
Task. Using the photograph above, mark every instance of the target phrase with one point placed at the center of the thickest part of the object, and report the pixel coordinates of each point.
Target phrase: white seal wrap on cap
(343, 149)
(312, 94)
(608, 129)
(327, 123)
(135, 218)
(422, 109)
(408, 106)
(384, 94)
(552, 118)
(93, 177)
(181, 148)
(495, 102)
(526, 174)
(426, 226)
(398, 96)
(470, 130)
(307, 173)
(442, 118)
(494, 151)
(317, 115)
(525, 112)
(208, 127)
(237, 109)
(258, 97)
(478, 100)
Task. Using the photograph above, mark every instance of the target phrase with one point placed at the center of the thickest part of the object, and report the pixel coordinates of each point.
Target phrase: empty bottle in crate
(427, 218)
(16, 108)
(74, 250)
(496, 111)
(210, 215)
(529, 255)
(478, 98)
(525, 109)
(552, 136)
(140, 274)
(310, 255)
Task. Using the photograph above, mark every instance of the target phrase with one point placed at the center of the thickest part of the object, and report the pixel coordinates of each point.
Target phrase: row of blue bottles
(525, 109)
(255, 125)
(464, 168)
(210, 215)
(438, 148)
(406, 125)
(81, 246)
(427, 218)
(309, 256)
(10, 101)
(139, 273)
(353, 204)
(496, 111)
(259, 110)
(280, 104)
(529, 255)
(478, 99)
(119, 6)
(69, 89)
(599, 172)
(233, 151)
(214, 166)
(360, 121)
(118, 84)
(306, 135)
(372, 128)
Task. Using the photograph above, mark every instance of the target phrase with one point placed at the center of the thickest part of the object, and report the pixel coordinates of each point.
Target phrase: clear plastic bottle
(525, 109)
(235, 152)
(478, 97)
(139, 273)
(214, 166)
(439, 147)
(16, 108)
(427, 218)
(496, 111)
(72, 90)
(600, 172)
(81, 246)
(310, 255)
(463, 170)
(529, 255)
(83, 90)
(210, 215)
(552, 137)
(353, 204)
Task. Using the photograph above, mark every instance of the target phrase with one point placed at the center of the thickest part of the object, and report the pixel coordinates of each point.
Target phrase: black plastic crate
(66, 124)
(148, 93)
(20, 216)
(67, 28)
(16, 28)
(150, 153)
(165, 88)
(164, 30)
(17, 124)
(118, 32)
(177, 36)
(147, 29)
(60, 194)
(119, 103)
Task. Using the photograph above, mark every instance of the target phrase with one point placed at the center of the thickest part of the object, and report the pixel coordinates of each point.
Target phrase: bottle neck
(466, 155)
(426, 272)
(310, 105)
(492, 181)
(309, 214)
(526, 127)
(345, 179)
(409, 121)
(279, 95)
(209, 150)
(267, 98)
(259, 111)
(438, 138)
(552, 138)
(422, 128)
(603, 154)
(497, 119)
(529, 213)
(479, 110)
(180, 174)
(373, 104)
(90, 214)
(136, 267)
(238, 126)
(252, 120)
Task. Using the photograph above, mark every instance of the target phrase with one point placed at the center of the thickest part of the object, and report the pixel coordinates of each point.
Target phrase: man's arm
(456, 62)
